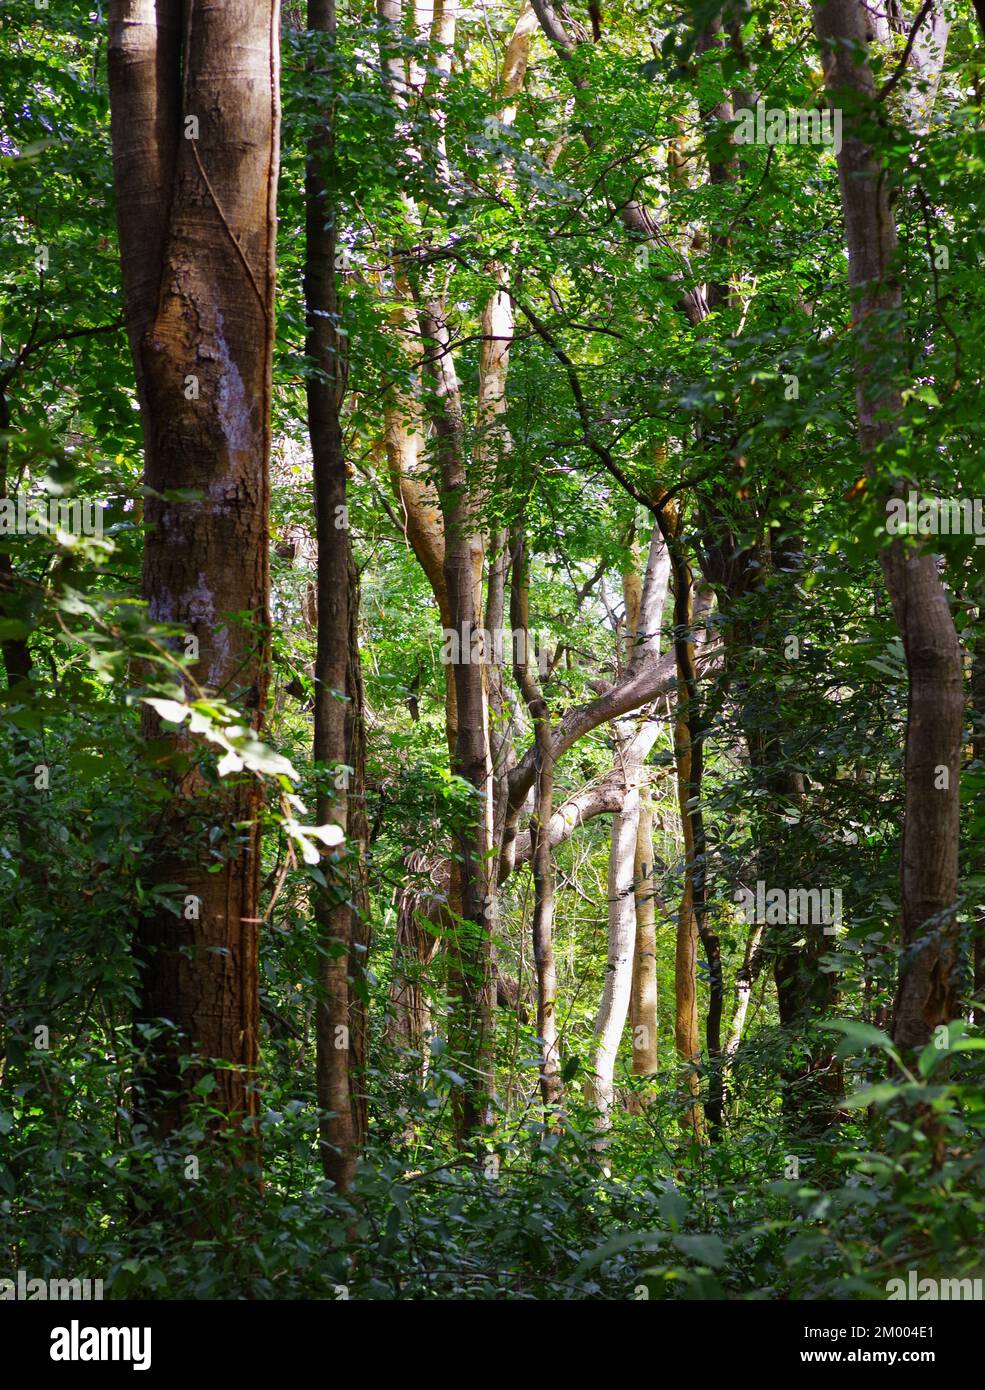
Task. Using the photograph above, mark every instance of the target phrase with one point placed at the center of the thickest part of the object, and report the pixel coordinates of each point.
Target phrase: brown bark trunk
(643, 1001)
(360, 934)
(928, 981)
(976, 699)
(471, 975)
(195, 118)
(15, 650)
(686, 952)
(337, 709)
(541, 856)
(689, 746)
(415, 947)
(644, 610)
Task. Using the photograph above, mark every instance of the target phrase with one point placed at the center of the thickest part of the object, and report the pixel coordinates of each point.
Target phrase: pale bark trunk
(633, 748)
(614, 1007)
(643, 993)
(743, 991)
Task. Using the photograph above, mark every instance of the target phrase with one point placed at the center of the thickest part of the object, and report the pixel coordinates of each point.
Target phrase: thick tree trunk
(195, 117)
(928, 980)
(337, 709)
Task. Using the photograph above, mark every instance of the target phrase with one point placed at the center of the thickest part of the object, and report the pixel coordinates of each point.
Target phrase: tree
(195, 116)
(928, 982)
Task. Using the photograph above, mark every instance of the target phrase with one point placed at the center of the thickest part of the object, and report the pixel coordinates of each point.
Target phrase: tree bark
(928, 980)
(472, 980)
(693, 916)
(15, 650)
(195, 116)
(643, 1001)
(540, 838)
(633, 748)
(337, 709)
(614, 1006)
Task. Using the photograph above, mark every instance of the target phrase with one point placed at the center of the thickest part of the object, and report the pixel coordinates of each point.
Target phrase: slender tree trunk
(643, 1002)
(17, 1016)
(357, 862)
(689, 746)
(15, 650)
(686, 1036)
(337, 708)
(541, 856)
(195, 117)
(743, 990)
(472, 974)
(976, 700)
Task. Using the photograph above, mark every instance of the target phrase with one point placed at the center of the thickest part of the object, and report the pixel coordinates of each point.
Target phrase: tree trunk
(976, 700)
(472, 977)
(643, 1002)
(337, 711)
(928, 980)
(693, 917)
(541, 857)
(195, 118)
(15, 650)
(633, 748)
(743, 990)
(686, 1036)
(614, 1007)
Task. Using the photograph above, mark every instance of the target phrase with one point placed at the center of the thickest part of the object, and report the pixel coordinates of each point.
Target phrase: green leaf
(705, 1249)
